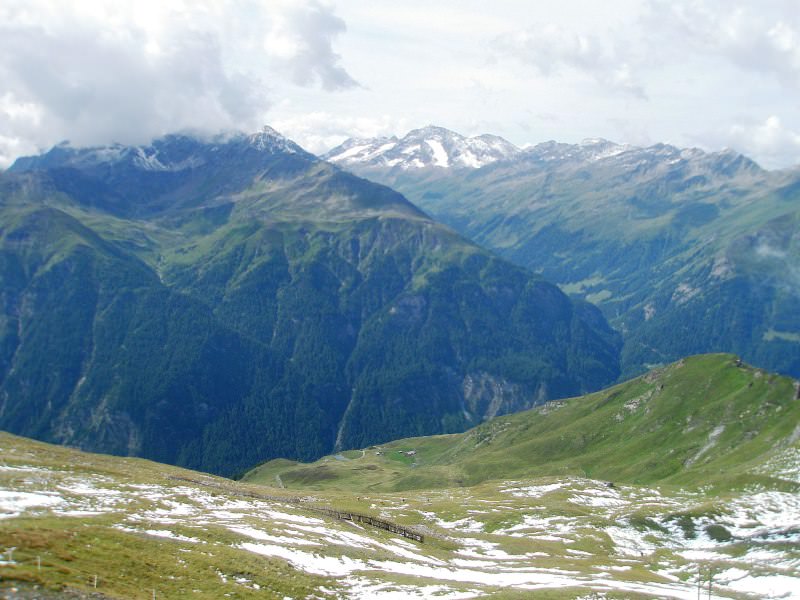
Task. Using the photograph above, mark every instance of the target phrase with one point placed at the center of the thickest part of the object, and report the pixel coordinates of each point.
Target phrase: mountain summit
(429, 147)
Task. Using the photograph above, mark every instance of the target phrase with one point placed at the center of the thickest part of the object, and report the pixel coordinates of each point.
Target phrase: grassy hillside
(704, 420)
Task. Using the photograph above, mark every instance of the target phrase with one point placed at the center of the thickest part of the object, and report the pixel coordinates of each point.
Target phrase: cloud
(550, 49)
(770, 141)
(320, 131)
(761, 37)
(128, 71)
(301, 41)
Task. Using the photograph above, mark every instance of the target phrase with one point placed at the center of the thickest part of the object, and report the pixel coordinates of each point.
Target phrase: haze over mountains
(684, 251)
(217, 302)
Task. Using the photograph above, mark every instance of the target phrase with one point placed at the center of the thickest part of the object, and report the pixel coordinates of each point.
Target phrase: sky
(712, 74)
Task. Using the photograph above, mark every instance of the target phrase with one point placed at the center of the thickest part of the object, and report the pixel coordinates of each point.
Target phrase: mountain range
(216, 302)
(684, 251)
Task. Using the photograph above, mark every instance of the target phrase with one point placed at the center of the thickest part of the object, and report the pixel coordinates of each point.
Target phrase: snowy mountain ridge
(428, 147)
(439, 148)
(626, 156)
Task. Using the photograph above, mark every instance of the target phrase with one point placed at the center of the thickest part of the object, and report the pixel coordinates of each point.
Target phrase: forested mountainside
(215, 303)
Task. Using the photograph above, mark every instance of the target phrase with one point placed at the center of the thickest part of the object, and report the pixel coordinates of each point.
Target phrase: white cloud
(96, 72)
(774, 144)
(762, 37)
(318, 132)
(300, 40)
(551, 48)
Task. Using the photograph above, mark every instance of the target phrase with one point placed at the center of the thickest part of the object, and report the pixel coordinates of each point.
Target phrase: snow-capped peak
(428, 147)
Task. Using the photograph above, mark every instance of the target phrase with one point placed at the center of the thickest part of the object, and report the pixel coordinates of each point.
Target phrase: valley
(684, 251)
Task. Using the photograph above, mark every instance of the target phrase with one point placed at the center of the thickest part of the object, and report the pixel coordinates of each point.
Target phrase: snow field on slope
(528, 535)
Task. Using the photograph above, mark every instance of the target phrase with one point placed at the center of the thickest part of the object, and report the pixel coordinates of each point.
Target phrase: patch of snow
(473, 563)
(146, 161)
(316, 564)
(712, 440)
(702, 555)
(481, 549)
(349, 153)
(281, 516)
(364, 589)
(542, 578)
(598, 500)
(405, 553)
(24, 469)
(343, 538)
(766, 586)
(440, 158)
(683, 293)
(721, 268)
(13, 503)
(630, 542)
(763, 514)
(162, 533)
(785, 465)
(263, 536)
(468, 159)
(385, 147)
(554, 528)
(533, 491)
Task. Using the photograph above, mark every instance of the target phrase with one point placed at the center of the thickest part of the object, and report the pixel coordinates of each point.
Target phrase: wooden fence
(406, 532)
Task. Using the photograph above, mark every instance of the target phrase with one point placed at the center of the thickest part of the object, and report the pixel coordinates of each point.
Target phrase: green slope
(704, 420)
